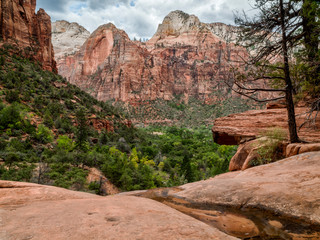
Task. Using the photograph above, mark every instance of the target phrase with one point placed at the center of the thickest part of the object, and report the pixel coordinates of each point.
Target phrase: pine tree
(274, 34)
(82, 130)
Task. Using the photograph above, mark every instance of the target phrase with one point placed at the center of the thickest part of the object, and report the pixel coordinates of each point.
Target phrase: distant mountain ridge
(185, 58)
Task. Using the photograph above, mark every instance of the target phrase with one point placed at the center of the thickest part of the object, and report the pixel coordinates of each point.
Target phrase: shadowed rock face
(275, 201)
(184, 58)
(19, 25)
(31, 211)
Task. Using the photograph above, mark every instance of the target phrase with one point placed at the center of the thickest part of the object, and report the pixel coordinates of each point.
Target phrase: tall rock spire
(29, 31)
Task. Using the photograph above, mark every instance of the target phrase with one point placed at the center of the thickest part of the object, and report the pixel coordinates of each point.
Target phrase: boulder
(259, 151)
(31, 211)
(105, 186)
(297, 148)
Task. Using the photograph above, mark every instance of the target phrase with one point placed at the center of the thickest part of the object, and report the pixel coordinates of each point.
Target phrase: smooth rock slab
(282, 199)
(30, 211)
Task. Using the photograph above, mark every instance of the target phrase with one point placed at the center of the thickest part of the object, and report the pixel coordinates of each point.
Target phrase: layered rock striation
(236, 128)
(185, 58)
(29, 31)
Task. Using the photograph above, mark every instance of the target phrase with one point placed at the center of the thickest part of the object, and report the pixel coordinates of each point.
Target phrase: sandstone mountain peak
(178, 22)
(109, 27)
(179, 27)
(67, 37)
(178, 60)
(63, 26)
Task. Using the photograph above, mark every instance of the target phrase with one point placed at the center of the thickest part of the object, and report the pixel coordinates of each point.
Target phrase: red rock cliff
(31, 32)
(184, 58)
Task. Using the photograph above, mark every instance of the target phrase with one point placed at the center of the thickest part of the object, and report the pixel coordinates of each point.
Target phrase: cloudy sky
(139, 18)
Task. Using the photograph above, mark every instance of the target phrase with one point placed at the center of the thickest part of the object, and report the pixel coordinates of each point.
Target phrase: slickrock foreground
(31, 211)
(280, 200)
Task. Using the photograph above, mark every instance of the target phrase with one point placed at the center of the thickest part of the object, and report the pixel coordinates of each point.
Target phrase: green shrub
(43, 134)
(2, 60)
(18, 171)
(95, 186)
(66, 176)
(270, 146)
(12, 96)
(65, 143)
(10, 115)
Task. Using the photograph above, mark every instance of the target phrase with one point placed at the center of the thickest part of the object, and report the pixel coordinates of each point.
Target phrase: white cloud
(139, 18)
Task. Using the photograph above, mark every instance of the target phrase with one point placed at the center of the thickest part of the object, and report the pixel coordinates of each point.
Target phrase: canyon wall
(29, 31)
(185, 58)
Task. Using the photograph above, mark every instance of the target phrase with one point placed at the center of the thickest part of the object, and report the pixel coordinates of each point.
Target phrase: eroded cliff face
(30, 32)
(185, 59)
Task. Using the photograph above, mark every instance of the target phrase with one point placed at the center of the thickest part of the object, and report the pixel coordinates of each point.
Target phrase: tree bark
(290, 106)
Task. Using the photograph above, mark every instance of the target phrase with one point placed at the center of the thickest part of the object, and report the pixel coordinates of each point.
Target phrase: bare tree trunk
(290, 106)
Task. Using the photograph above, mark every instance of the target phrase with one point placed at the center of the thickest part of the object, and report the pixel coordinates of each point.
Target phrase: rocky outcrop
(246, 129)
(298, 148)
(185, 58)
(259, 151)
(236, 128)
(30, 211)
(30, 32)
(275, 201)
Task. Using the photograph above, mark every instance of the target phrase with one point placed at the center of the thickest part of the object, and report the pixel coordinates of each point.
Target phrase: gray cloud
(98, 4)
(54, 6)
(139, 18)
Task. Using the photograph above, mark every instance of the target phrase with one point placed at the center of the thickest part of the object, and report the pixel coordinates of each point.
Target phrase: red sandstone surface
(274, 201)
(230, 130)
(31, 211)
(31, 32)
